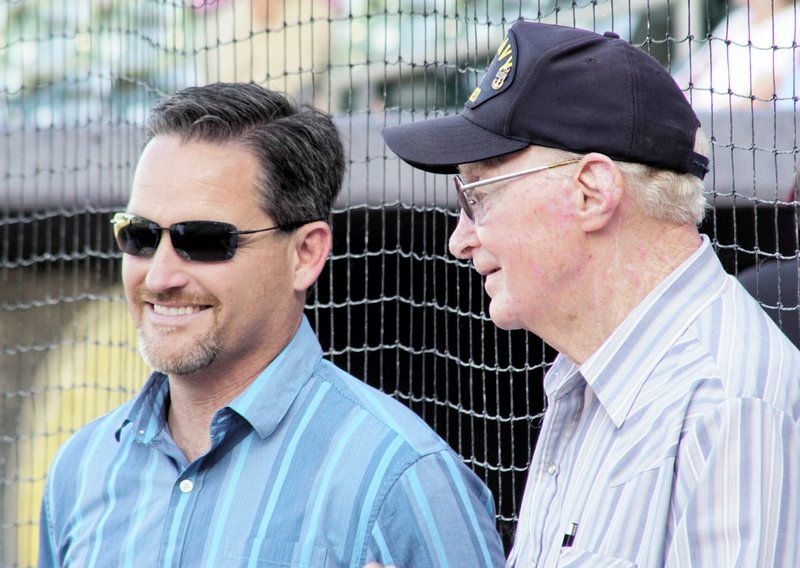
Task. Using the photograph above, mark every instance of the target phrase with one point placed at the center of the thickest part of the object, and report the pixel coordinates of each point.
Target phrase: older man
(671, 435)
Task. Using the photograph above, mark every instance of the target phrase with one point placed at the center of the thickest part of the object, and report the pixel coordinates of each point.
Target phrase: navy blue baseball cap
(563, 88)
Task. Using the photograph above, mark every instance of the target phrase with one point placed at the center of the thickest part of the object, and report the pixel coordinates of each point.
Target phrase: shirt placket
(550, 472)
(186, 492)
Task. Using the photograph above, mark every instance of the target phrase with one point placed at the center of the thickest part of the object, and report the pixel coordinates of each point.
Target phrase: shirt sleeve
(47, 549)
(437, 514)
(737, 485)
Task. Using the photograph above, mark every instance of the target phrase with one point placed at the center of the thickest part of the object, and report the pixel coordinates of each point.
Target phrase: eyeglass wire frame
(462, 188)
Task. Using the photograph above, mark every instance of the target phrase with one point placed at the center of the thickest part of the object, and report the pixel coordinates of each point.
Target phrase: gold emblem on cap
(503, 52)
(502, 73)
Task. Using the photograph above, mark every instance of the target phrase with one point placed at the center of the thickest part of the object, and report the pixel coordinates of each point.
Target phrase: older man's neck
(622, 278)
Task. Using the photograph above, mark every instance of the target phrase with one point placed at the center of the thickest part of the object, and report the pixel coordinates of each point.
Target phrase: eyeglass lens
(466, 203)
(463, 200)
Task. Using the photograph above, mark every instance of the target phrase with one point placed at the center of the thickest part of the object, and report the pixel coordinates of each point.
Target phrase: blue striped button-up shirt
(676, 444)
(307, 467)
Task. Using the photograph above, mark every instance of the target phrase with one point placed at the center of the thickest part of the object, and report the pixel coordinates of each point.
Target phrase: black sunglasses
(204, 241)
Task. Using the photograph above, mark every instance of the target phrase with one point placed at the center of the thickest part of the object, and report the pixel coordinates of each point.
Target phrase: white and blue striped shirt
(676, 444)
(308, 467)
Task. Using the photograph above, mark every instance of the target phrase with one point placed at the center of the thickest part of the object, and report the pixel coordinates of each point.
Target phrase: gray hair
(667, 195)
(299, 148)
(661, 194)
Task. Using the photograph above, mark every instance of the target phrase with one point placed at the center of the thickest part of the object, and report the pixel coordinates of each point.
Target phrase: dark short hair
(298, 148)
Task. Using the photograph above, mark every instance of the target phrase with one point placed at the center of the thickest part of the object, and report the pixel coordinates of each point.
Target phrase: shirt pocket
(638, 451)
(271, 553)
(576, 558)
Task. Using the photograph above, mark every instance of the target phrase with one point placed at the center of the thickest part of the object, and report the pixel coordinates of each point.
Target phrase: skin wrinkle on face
(556, 252)
(204, 351)
(522, 272)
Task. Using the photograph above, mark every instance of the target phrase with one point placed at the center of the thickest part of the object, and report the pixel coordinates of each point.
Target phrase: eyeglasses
(467, 203)
(204, 241)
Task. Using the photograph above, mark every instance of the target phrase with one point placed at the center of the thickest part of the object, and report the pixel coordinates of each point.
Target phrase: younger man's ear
(601, 188)
(313, 242)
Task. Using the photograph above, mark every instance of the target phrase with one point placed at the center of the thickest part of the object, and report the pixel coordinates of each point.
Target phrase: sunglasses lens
(138, 237)
(205, 241)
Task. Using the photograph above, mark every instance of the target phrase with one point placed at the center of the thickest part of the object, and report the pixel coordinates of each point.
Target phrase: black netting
(393, 307)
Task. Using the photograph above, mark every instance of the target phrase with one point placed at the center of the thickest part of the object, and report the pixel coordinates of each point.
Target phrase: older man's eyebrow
(470, 170)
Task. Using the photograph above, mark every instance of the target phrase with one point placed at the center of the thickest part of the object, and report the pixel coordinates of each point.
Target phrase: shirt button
(552, 469)
(186, 486)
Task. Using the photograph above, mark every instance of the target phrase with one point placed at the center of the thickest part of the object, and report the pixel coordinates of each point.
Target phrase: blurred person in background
(671, 434)
(775, 285)
(245, 447)
(280, 45)
(747, 61)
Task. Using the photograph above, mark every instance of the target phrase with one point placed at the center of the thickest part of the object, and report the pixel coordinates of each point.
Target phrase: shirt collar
(263, 404)
(562, 377)
(147, 409)
(617, 371)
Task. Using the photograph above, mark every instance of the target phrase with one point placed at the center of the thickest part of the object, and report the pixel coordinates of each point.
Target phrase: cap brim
(439, 145)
